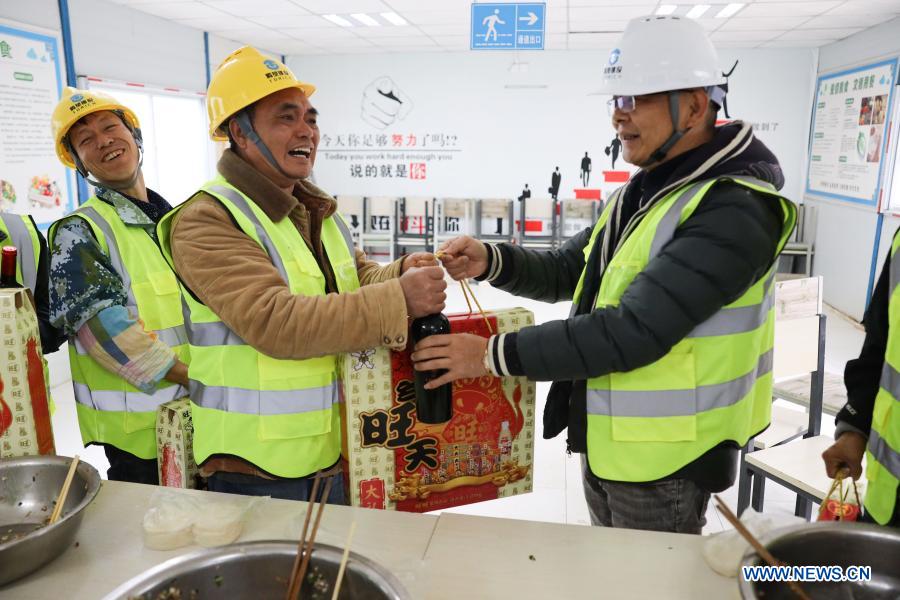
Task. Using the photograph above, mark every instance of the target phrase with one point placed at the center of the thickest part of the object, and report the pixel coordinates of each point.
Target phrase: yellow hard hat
(74, 105)
(244, 77)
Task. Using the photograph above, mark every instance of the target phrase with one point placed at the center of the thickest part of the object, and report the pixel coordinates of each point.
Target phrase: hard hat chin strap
(243, 121)
(677, 134)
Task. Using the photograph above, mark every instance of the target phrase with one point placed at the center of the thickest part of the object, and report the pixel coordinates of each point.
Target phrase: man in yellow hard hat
(111, 290)
(275, 291)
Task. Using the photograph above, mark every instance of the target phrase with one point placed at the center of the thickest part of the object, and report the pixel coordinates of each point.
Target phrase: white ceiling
(297, 27)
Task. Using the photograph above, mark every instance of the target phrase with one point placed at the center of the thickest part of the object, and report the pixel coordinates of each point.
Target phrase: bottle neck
(8, 268)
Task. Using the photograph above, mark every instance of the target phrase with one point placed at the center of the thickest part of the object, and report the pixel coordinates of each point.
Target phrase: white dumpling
(167, 527)
(217, 524)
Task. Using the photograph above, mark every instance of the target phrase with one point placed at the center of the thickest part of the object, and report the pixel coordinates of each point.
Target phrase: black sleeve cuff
(503, 356)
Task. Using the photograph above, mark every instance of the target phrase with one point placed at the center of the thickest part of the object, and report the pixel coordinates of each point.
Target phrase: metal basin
(29, 487)
(257, 571)
(832, 543)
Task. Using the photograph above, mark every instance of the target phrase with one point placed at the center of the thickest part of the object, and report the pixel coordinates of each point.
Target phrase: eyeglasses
(625, 104)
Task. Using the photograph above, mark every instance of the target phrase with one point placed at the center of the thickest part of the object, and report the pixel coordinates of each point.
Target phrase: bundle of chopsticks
(760, 549)
(305, 545)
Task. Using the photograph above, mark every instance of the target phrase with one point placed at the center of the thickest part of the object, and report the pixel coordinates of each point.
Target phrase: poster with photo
(32, 180)
(848, 132)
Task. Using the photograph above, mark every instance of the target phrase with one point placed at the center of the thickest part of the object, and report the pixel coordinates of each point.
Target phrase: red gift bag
(485, 451)
(837, 505)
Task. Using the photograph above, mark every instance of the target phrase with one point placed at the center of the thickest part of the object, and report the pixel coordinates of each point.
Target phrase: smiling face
(106, 147)
(287, 124)
(647, 127)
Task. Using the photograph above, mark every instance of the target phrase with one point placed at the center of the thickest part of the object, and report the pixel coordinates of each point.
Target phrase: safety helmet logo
(614, 56)
(271, 64)
(77, 98)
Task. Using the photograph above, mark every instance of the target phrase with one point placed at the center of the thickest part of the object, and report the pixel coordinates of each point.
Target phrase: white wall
(844, 234)
(116, 42)
(42, 13)
(508, 137)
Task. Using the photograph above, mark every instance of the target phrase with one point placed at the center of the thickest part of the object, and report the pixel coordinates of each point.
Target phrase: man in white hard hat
(663, 370)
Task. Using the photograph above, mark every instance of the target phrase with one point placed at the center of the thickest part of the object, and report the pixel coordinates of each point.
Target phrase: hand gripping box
(485, 451)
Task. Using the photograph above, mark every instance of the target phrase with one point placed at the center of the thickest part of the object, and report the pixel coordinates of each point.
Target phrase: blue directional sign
(508, 26)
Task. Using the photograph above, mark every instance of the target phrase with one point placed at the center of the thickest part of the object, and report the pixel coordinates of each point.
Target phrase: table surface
(799, 463)
(450, 556)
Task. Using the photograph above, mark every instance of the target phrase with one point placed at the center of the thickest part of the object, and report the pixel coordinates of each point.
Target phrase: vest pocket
(160, 299)
(305, 277)
(291, 405)
(656, 403)
(288, 427)
(618, 276)
(137, 421)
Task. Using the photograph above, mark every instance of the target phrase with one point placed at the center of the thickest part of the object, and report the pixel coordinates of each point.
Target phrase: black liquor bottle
(432, 406)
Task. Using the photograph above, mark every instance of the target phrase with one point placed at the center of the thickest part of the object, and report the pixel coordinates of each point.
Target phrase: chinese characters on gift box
(393, 429)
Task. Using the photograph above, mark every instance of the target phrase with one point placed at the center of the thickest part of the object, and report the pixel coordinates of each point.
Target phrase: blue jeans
(286, 489)
(673, 505)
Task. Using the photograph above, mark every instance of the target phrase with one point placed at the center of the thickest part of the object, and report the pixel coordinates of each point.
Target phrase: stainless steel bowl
(827, 544)
(258, 570)
(29, 487)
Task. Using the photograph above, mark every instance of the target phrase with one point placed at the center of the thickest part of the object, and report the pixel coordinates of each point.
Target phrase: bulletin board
(849, 132)
(32, 180)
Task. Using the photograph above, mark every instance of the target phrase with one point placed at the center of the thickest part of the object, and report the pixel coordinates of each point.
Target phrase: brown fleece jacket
(230, 273)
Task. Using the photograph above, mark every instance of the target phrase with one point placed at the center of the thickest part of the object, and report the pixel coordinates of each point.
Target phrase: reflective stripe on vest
(172, 336)
(265, 402)
(110, 409)
(22, 238)
(282, 415)
(738, 319)
(112, 248)
(241, 203)
(119, 401)
(713, 385)
(677, 403)
(888, 457)
(883, 447)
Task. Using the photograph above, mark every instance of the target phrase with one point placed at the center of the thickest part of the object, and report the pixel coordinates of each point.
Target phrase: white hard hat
(660, 54)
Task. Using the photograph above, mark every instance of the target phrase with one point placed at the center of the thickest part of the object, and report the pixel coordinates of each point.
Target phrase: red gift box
(483, 452)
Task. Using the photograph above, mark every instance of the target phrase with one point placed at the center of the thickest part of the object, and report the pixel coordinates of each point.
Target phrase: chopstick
(340, 575)
(760, 549)
(57, 510)
(305, 547)
(291, 593)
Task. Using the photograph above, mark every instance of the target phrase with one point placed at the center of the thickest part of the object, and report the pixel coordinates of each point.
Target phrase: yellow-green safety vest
(111, 410)
(21, 233)
(280, 415)
(714, 385)
(883, 448)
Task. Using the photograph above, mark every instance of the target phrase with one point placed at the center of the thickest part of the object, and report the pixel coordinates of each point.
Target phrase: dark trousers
(286, 489)
(673, 505)
(125, 466)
